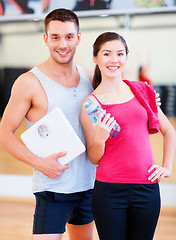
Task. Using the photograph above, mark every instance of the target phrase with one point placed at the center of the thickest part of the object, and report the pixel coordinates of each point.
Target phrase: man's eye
(106, 54)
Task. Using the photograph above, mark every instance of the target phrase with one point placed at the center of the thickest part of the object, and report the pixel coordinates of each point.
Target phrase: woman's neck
(112, 85)
(113, 91)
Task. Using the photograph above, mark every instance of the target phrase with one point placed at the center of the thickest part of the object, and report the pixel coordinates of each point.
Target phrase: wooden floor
(16, 221)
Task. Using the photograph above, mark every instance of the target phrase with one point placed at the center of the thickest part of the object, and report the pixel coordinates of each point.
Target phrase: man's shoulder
(89, 73)
(26, 81)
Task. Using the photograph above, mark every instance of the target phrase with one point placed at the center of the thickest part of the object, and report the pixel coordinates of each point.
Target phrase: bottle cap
(90, 106)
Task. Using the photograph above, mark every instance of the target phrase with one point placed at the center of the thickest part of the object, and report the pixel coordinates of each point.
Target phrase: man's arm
(20, 103)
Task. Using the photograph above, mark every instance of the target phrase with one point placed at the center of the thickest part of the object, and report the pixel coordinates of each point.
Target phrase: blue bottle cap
(90, 106)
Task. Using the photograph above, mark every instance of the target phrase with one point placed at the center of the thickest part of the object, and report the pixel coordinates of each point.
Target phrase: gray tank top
(81, 173)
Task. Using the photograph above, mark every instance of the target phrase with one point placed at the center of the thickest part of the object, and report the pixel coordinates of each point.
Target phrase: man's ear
(79, 38)
(45, 38)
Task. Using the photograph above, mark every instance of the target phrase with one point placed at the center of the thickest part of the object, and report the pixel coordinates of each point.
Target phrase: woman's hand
(103, 126)
(158, 173)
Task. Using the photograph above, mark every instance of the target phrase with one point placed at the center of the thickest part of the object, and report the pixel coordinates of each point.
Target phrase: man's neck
(64, 74)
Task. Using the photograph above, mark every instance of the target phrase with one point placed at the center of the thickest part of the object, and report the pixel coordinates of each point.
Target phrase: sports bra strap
(96, 98)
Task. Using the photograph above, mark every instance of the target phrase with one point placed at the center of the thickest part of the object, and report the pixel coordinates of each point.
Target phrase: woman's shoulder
(139, 85)
(133, 82)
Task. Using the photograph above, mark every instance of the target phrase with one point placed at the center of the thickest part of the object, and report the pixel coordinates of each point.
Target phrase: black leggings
(125, 211)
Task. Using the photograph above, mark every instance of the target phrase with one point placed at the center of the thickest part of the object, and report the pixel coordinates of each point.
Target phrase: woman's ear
(95, 59)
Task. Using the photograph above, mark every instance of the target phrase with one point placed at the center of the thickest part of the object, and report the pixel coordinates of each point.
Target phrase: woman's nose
(114, 59)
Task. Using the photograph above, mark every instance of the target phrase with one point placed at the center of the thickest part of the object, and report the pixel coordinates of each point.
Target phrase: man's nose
(62, 44)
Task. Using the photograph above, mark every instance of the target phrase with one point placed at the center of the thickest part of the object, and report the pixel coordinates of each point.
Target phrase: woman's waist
(125, 170)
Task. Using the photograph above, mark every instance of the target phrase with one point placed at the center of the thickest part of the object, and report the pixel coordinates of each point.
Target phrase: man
(63, 193)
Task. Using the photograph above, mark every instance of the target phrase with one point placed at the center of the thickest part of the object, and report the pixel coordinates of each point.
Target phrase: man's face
(62, 39)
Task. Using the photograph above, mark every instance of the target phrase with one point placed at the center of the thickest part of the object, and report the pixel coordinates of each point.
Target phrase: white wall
(146, 41)
(150, 38)
(21, 186)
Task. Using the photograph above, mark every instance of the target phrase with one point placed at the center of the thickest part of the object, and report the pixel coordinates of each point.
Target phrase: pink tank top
(128, 155)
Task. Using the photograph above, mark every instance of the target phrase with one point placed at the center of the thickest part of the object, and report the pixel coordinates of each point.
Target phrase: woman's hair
(62, 15)
(101, 39)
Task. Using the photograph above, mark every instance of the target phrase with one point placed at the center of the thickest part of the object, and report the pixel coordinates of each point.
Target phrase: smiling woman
(127, 176)
(113, 54)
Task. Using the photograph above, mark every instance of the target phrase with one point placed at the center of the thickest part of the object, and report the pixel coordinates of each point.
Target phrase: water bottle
(93, 110)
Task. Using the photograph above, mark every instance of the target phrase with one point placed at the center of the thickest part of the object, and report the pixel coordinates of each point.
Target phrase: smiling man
(63, 193)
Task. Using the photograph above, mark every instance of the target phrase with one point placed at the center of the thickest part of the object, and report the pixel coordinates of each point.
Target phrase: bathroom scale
(53, 134)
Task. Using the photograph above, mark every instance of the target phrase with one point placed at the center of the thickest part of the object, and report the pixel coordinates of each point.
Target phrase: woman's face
(111, 58)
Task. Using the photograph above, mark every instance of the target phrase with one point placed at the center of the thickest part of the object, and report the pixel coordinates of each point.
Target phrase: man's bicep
(17, 107)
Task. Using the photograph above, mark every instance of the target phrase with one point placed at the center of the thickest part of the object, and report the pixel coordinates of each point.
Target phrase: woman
(126, 200)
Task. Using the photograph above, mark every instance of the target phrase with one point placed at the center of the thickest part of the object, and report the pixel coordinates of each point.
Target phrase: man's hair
(62, 15)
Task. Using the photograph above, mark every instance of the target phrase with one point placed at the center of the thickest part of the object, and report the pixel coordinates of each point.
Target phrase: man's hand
(157, 96)
(50, 167)
(158, 100)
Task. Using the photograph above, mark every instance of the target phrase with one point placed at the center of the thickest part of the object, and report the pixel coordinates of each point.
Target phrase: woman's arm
(96, 134)
(169, 147)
